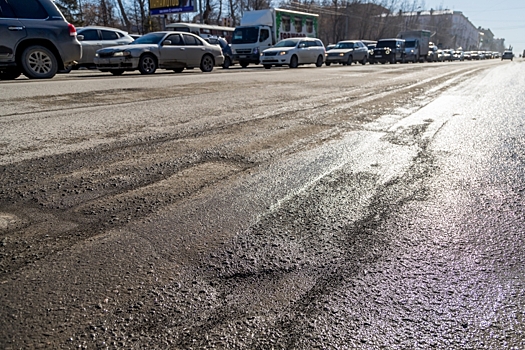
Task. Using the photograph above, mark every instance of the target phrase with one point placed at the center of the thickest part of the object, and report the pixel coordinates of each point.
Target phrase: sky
(505, 18)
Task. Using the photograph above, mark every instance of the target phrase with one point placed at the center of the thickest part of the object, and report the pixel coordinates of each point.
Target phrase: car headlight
(387, 51)
(341, 54)
(122, 54)
(282, 53)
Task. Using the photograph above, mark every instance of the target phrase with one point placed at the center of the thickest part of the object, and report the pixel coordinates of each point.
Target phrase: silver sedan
(167, 50)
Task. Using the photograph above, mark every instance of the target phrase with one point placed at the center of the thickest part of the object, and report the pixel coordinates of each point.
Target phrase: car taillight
(72, 30)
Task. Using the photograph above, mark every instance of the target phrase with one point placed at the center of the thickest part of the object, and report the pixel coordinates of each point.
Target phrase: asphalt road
(361, 207)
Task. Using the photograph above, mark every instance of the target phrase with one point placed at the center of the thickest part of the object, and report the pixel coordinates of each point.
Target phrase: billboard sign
(162, 7)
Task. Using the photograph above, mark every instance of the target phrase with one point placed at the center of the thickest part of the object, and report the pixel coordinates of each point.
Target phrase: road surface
(360, 207)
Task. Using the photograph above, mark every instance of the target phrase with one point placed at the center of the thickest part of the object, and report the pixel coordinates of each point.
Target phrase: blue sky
(505, 18)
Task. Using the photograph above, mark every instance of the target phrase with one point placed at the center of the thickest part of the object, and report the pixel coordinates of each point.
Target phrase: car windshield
(151, 38)
(344, 46)
(286, 43)
(410, 43)
(391, 44)
(245, 35)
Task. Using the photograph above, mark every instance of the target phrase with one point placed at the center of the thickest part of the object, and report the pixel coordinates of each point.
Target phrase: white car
(294, 52)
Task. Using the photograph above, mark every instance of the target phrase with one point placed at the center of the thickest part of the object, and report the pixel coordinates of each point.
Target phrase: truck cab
(249, 41)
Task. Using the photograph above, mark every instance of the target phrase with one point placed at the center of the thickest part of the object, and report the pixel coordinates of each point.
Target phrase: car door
(360, 51)
(303, 52)
(194, 50)
(90, 44)
(172, 54)
(12, 31)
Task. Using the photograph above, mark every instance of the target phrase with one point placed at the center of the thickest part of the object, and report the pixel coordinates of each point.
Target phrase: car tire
(294, 62)
(363, 62)
(178, 70)
(328, 64)
(207, 63)
(147, 64)
(267, 66)
(319, 62)
(227, 63)
(349, 61)
(10, 74)
(38, 62)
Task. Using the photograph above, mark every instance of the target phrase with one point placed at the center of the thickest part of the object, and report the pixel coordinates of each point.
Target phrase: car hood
(341, 50)
(141, 47)
(279, 49)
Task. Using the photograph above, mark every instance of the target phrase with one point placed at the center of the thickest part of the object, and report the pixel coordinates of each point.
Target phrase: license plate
(379, 56)
(242, 56)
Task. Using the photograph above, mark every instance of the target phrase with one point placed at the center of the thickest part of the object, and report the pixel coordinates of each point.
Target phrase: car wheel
(178, 70)
(38, 62)
(294, 62)
(328, 64)
(349, 61)
(319, 62)
(207, 63)
(363, 62)
(10, 74)
(267, 66)
(227, 63)
(147, 64)
(116, 72)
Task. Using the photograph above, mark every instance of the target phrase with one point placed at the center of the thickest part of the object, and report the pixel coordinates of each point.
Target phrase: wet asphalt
(406, 234)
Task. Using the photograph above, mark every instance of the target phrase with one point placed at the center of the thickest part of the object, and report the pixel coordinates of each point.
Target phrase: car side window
(191, 40)
(28, 9)
(5, 10)
(175, 40)
(89, 34)
(109, 35)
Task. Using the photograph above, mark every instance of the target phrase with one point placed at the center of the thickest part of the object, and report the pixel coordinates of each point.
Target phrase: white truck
(416, 44)
(261, 29)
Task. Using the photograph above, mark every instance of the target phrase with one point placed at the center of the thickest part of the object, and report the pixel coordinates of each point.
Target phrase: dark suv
(390, 50)
(35, 39)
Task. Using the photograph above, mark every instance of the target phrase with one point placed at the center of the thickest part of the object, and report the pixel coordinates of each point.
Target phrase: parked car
(95, 38)
(440, 55)
(390, 50)
(432, 55)
(447, 55)
(412, 50)
(165, 50)
(458, 55)
(371, 48)
(294, 52)
(507, 55)
(330, 46)
(35, 39)
(226, 50)
(347, 52)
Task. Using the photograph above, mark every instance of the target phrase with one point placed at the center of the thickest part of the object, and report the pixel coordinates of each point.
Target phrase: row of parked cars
(37, 41)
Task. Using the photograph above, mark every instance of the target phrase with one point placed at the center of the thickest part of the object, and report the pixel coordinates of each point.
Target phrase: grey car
(35, 39)
(166, 50)
(94, 38)
(347, 52)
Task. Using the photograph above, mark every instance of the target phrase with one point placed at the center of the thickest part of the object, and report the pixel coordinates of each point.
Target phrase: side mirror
(166, 42)
(80, 37)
